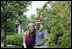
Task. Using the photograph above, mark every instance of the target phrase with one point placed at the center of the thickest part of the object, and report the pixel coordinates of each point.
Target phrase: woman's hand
(24, 45)
(24, 40)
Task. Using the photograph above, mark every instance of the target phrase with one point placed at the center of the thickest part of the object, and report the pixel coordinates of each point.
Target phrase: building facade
(18, 28)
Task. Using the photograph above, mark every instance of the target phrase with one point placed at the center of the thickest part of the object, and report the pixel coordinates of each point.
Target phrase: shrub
(11, 33)
(16, 39)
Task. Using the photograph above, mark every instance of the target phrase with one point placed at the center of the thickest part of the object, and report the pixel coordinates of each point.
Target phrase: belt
(39, 45)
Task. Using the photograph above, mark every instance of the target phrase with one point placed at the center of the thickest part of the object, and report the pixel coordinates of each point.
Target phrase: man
(40, 35)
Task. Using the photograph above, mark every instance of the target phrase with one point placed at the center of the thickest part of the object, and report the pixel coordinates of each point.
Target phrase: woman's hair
(30, 24)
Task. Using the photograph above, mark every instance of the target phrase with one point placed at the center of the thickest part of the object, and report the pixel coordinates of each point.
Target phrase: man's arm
(45, 34)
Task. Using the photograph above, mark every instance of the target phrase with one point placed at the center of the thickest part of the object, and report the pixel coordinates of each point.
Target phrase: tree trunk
(5, 28)
(5, 31)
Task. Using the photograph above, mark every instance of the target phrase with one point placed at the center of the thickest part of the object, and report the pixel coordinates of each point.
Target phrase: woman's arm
(24, 40)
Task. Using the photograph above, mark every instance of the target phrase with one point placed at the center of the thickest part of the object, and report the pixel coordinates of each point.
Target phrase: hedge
(16, 39)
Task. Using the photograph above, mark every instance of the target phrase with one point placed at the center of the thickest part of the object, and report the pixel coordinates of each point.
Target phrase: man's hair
(37, 18)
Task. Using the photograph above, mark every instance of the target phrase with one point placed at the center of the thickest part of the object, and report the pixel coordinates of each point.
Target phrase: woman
(29, 36)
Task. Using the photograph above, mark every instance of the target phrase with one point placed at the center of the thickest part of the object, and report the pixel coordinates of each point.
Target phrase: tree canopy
(12, 11)
(57, 19)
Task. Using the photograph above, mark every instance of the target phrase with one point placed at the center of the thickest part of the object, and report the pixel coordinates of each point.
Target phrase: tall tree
(12, 10)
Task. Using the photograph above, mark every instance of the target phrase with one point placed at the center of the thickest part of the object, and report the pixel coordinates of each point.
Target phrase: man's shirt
(40, 35)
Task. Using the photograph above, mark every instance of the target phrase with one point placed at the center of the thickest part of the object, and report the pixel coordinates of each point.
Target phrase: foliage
(16, 39)
(58, 19)
(32, 18)
(11, 25)
(12, 10)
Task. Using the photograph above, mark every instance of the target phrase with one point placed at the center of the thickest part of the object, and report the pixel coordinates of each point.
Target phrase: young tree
(12, 10)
